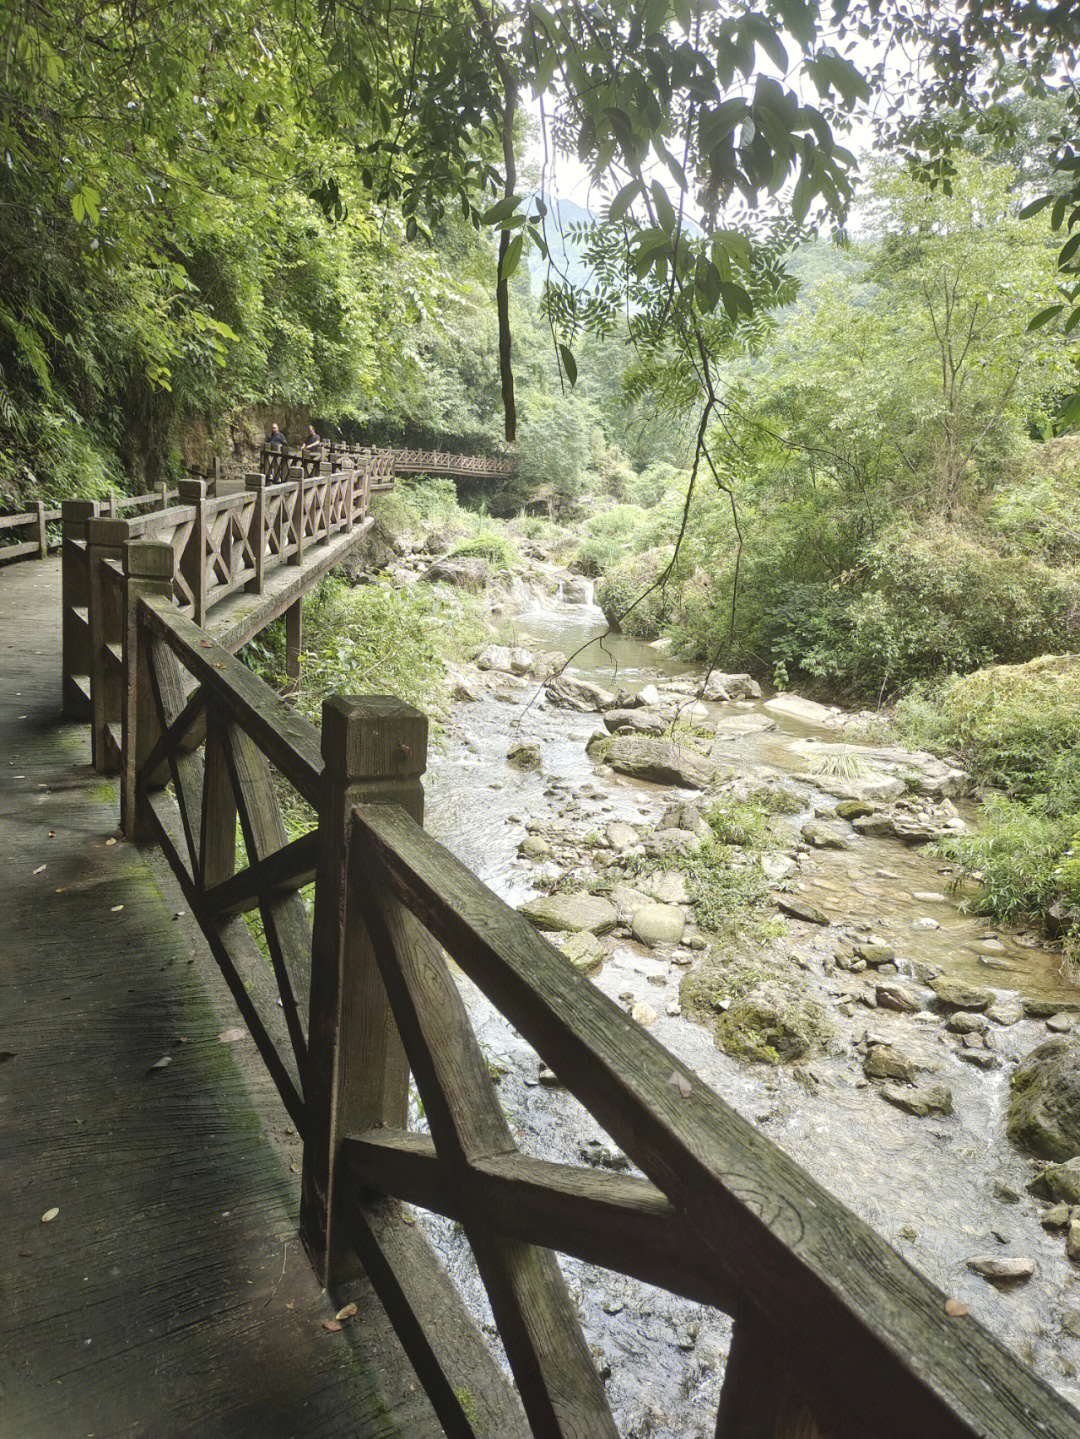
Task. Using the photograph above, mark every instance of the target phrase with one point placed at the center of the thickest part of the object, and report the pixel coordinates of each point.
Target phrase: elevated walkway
(170, 1295)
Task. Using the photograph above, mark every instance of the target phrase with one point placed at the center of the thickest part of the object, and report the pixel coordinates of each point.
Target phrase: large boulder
(658, 760)
(730, 687)
(634, 721)
(576, 591)
(463, 572)
(509, 659)
(956, 993)
(568, 692)
(1060, 1183)
(769, 1027)
(655, 924)
(571, 912)
(1044, 1108)
(916, 820)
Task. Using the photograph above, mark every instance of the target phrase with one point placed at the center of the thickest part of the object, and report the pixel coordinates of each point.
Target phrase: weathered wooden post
(350, 480)
(75, 606)
(375, 752)
(296, 473)
(106, 540)
(193, 560)
(257, 532)
(112, 504)
(39, 512)
(148, 570)
(163, 491)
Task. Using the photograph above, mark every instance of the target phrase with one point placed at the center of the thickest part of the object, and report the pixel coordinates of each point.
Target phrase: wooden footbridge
(162, 1270)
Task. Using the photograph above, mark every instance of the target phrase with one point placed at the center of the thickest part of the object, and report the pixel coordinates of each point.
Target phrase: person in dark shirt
(311, 441)
(275, 440)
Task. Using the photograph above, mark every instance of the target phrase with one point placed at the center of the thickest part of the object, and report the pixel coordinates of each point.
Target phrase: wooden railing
(39, 518)
(835, 1334)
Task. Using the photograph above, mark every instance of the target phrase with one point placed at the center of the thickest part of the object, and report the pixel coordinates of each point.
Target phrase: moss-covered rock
(768, 1027)
(1044, 1108)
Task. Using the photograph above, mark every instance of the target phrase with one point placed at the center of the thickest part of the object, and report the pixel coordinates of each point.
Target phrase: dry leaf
(117, 908)
(39, 869)
(49, 1216)
(110, 841)
(162, 1063)
(62, 889)
(291, 1304)
(349, 1312)
(954, 1309)
(230, 1036)
(681, 1083)
(333, 1326)
(207, 644)
(222, 665)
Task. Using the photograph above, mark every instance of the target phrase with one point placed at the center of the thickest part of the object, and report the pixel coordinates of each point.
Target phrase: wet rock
(533, 847)
(768, 1027)
(524, 756)
(661, 761)
(621, 836)
(626, 901)
(601, 1157)
(509, 660)
(850, 809)
(648, 695)
(567, 692)
(928, 896)
(793, 707)
(897, 996)
(965, 1021)
(777, 867)
(576, 591)
(1005, 1193)
(822, 836)
(1002, 1268)
(643, 1014)
(654, 924)
(720, 687)
(463, 573)
(800, 909)
(548, 1078)
(1040, 1008)
(870, 789)
(684, 814)
(980, 1058)
(1072, 1241)
(571, 912)
(735, 725)
(883, 1061)
(1044, 1107)
(1005, 1012)
(583, 950)
(956, 993)
(635, 721)
(463, 689)
(915, 820)
(552, 662)
(1059, 1183)
(1059, 1023)
(1070, 1322)
(874, 952)
(1056, 1217)
(925, 922)
(919, 1102)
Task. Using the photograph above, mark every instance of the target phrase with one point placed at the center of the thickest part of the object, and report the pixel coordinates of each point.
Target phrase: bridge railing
(834, 1334)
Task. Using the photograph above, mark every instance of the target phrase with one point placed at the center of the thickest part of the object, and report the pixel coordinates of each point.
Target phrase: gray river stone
(1044, 1107)
(566, 692)
(1002, 1268)
(571, 912)
(800, 909)
(634, 721)
(621, 836)
(884, 1062)
(661, 761)
(464, 573)
(655, 924)
(919, 1102)
(583, 950)
(524, 756)
(1059, 1183)
(509, 659)
(823, 836)
(956, 993)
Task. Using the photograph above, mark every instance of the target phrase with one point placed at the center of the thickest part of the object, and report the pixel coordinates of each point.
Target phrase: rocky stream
(892, 1020)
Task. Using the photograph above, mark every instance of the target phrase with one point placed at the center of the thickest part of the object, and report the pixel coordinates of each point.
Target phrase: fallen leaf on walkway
(681, 1083)
(117, 908)
(110, 841)
(222, 665)
(62, 889)
(230, 1036)
(333, 1326)
(49, 1216)
(52, 834)
(954, 1309)
(291, 1304)
(39, 869)
(349, 1312)
(207, 644)
(162, 1063)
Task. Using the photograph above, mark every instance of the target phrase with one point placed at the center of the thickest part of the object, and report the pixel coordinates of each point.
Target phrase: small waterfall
(576, 590)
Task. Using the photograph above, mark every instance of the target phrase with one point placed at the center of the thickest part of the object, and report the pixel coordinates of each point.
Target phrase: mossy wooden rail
(834, 1333)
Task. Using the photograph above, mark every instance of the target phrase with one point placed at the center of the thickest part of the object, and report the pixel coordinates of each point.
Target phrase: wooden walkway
(169, 1296)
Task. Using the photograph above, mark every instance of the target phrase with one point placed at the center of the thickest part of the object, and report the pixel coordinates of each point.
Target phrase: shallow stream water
(932, 1187)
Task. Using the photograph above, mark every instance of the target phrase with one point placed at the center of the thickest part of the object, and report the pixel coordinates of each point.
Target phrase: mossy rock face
(768, 1028)
(1044, 1109)
(710, 988)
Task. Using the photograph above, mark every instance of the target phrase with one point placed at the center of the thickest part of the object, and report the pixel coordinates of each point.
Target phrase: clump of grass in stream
(842, 763)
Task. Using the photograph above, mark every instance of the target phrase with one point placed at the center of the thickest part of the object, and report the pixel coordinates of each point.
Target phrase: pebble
(548, 1078)
(1002, 1268)
(1059, 1023)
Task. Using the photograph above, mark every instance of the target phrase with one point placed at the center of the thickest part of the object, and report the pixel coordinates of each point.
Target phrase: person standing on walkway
(275, 440)
(311, 442)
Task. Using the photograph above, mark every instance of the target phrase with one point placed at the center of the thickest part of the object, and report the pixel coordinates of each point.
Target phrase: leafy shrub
(491, 545)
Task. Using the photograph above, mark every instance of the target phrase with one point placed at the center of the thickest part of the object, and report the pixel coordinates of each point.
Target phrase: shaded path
(169, 1296)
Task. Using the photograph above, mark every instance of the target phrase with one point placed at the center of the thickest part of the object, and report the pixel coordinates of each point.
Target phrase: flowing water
(932, 1186)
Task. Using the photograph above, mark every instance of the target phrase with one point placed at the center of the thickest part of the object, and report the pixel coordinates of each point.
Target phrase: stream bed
(941, 1189)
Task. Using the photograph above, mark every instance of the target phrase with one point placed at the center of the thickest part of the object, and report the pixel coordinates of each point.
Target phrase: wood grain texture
(869, 1335)
(169, 1298)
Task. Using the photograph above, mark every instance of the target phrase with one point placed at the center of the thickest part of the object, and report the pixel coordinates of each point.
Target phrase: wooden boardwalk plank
(170, 1295)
